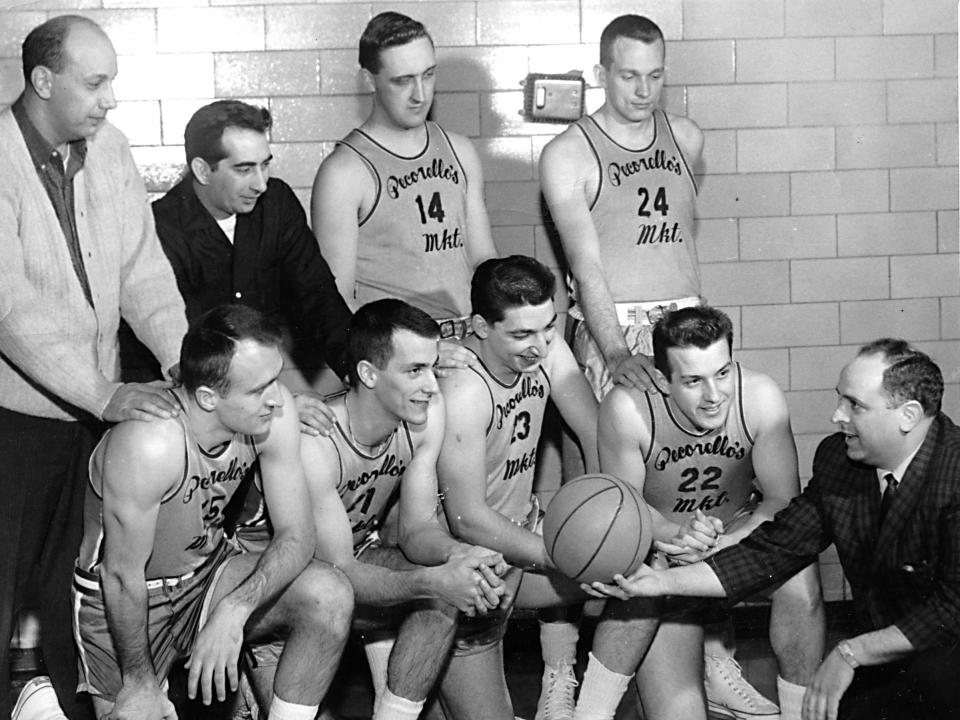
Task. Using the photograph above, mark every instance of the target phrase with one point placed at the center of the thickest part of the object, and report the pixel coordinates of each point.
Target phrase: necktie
(888, 492)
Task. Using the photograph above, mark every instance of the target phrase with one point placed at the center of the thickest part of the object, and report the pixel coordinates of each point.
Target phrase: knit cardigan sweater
(59, 356)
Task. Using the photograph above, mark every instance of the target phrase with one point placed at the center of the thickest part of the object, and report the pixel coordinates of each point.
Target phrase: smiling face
(253, 395)
(79, 97)
(634, 81)
(701, 383)
(873, 426)
(520, 342)
(404, 85)
(239, 179)
(405, 387)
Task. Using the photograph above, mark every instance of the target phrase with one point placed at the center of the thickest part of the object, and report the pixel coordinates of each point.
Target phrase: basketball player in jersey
(156, 580)
(383, 449)
(620, 189)
(699, 450)
(487, 464)
(398, 206)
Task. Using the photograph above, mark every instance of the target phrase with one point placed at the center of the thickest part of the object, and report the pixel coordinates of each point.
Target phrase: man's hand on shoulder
(636, 371)
(316, 418)
(454, 356)
(142, 702)
(141, 401)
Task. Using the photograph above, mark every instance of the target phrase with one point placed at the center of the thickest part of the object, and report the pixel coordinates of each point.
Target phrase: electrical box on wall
(553, 98)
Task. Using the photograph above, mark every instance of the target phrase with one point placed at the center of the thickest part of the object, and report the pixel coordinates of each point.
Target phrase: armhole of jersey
(653, 428)
(596, 155)
(546, 377)
(376, 179)
(693, 180)
(183, 476)
(336, 448)
(453, 151)
(96, 491)
(490, 393)
(406, 434)
(740, 409)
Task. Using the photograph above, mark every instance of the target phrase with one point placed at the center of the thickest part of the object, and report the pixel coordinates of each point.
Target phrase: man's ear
(911, 413)
(661, 381)
(481, 328)
(600, 75)
(368, 80)
(206, 398)
(367, 373)
(41, 79)
(201, 170)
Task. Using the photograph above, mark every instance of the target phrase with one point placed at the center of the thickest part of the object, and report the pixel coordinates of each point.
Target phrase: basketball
(597, 526)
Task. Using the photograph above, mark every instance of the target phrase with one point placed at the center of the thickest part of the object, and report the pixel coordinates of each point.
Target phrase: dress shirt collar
(899, 471)
(41, 151)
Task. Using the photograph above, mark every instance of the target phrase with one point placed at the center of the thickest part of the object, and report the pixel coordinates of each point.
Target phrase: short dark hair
(211, 342)
(386, 30)
(699, 326)
(43, 46)
(503, 283)
(635, 27)
(909, 375)
(372, 329)
(203, 136)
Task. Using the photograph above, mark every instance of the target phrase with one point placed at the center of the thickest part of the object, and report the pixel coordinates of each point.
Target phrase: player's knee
(323, 597)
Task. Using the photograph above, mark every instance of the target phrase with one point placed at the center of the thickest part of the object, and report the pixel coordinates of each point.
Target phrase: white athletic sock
(394, 707)
(791, 699)
(283, 710)
(600, 692)
(378, 658)
(558, 643)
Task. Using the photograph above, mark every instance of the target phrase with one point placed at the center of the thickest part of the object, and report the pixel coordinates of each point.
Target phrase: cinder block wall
(829, 183)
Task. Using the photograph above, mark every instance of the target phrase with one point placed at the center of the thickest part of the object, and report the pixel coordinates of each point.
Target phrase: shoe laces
(731, 671)
(559, 691)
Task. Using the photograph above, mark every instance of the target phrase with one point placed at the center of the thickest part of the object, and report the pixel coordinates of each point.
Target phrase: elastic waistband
(647, 313)
(457, 327)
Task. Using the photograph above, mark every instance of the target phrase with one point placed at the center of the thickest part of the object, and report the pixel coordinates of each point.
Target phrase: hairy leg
(798, 626)
(421, 650)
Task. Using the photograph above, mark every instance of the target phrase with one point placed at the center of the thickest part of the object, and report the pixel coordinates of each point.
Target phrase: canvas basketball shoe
(729, 693)
(556, 693)
(38, 701)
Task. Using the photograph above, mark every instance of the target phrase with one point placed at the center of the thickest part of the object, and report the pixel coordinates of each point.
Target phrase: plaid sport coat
(905, 572)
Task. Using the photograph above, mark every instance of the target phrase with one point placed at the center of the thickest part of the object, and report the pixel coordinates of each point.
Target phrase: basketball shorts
(638, 335)
(585, 349)
(176, 610)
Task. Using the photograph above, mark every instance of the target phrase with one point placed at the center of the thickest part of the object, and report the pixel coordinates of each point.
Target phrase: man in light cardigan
(78, 250)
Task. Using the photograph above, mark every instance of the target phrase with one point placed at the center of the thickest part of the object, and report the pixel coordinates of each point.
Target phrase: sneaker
(38, 701)
(729, 693)
(556, 693)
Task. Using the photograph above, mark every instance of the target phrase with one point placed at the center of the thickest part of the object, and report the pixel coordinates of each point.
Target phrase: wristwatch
(846, 652)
